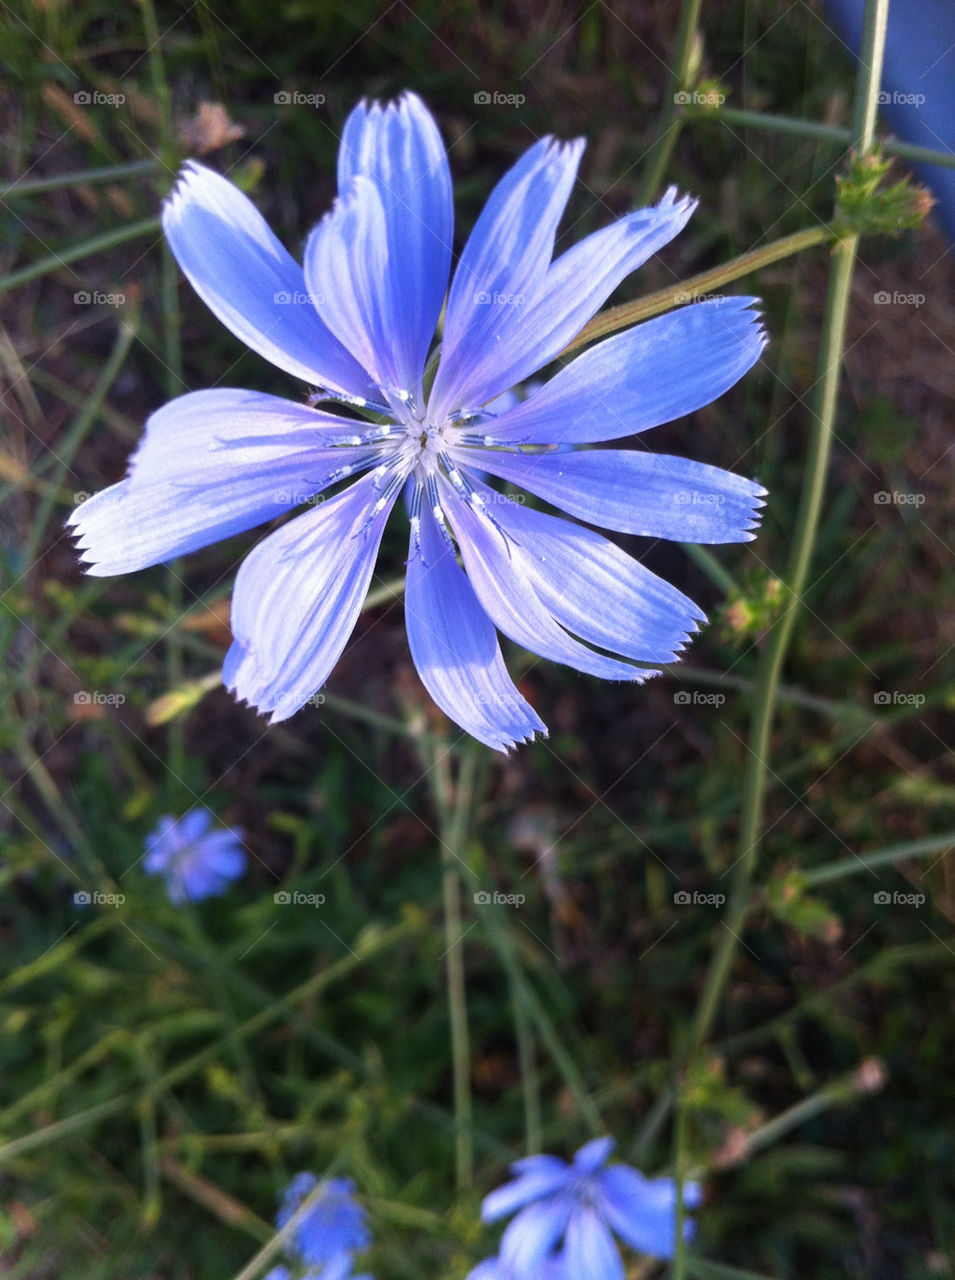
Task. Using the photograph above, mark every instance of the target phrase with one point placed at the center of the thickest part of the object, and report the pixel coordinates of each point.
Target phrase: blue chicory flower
(357, 322)
(554, 1268)
(333, 1228)
(583, 1205)
(195, 861)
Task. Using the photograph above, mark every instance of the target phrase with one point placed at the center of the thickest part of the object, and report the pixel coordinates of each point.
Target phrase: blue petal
(298, 596)
(505, 259)
(574, 288)
(593, 1155)
(194, 824)
(503, 578)
(455, 648)
(399, 148)
(556, 572)
(212, 464)
(347, 270)
(642, 1210)
(534, 1233)
(589, 1250)
(243, 274)
(652, 373)
(653, 494)
(547, 1176)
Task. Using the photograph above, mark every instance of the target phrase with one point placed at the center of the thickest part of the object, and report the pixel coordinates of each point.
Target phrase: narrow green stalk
(671, 118)
(530, 1077)
(85, 249)
(615, 318)
(774, 654)
(888, 857)
(812, 129)
(807, 523)
(454, 806)
(85, 177)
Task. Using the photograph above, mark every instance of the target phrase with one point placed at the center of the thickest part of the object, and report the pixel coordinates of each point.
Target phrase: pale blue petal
(490, 1269)
(532, 1184)
(589, 1249)
(346, 266)
(505, 259)
(574, 288)
(534, 1233)
(455, 648)
(213, 464)
(194, 824)
(298, 595)
(587, 584)
(503, 580)
(593, 1155)
(399, 148)
(244, 275)
(642, 1211)
(653, 494)
(652, 373)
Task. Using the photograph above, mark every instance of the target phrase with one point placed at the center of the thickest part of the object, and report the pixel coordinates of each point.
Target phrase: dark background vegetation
(120, 1161)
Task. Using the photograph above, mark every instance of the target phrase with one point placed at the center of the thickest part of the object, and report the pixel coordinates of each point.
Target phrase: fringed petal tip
(680, 204)
(191, 175)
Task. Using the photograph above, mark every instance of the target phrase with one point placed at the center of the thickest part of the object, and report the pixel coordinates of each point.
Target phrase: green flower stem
(616, 318)
(774, 654)
(811, 129)
(888, 857)
(85, 177)
(85, 249)
(671, 120)
(454, 806)
(807, 522)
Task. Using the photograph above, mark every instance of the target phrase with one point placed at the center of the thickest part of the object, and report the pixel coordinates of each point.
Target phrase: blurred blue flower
(583, 1205)
(553, 1268)
(333, 1228)
(357, 322)
(195, 861)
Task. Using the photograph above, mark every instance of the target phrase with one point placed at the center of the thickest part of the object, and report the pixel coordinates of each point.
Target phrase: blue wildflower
(582, 1205)
(357, 322)
(195, 862)
(554, 1268)
(333, 1227)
